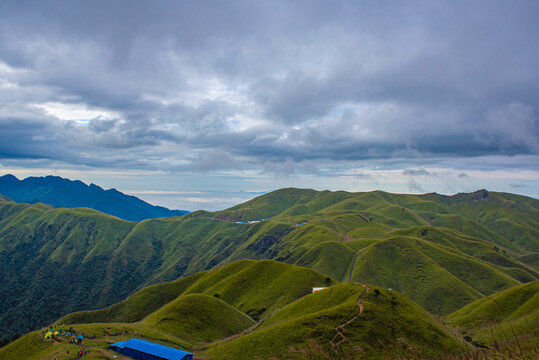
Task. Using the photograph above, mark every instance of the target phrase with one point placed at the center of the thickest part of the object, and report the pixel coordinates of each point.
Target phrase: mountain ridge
(61, 192)
(211, 313)
(81, 254)
(344, 320)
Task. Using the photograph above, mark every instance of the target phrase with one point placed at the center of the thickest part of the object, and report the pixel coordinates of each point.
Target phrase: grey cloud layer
(201, 86)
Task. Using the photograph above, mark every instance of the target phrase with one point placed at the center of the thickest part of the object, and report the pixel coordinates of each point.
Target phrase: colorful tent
(80, 337)
(48, 335)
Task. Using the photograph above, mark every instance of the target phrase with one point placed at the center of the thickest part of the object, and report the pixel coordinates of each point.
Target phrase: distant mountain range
(61, 192)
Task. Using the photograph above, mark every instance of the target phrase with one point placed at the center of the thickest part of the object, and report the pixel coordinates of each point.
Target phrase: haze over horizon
(203, 105)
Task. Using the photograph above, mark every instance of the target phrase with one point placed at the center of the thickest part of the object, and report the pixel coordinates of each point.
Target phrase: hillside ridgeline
(208, 313)
(442, 251)
(61, 192)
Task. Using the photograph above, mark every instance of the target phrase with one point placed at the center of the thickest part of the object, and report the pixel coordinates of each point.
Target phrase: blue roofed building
(146, 350)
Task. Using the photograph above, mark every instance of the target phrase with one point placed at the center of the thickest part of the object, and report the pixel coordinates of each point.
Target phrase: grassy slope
(508, 320)
(50, 258)
(198, 317)
(262, 286)
(328, 257)
(137, 306)
(203, 307)
(207, 313)
(254, 287)
(399, 263)
(33, 346)
(512, 216)
(513, 303)
(389, 323)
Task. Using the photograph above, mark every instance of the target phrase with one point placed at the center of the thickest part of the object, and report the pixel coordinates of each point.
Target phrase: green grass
(401, 264)
(390, 322)
(260, 287)
(531, 259)
(213, 313)
(254, 287)
(513, 303)
(56, 261)
(506, 322)
(328, 257)
(33, 346)
(198, 317)
(137, 306)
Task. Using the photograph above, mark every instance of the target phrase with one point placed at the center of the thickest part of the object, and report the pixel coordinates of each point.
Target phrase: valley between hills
(407, 276)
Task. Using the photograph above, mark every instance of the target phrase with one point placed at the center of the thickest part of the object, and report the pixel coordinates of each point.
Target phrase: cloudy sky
(204, 104)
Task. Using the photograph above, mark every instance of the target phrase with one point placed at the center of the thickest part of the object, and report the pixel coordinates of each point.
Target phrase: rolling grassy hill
(254, 287)
(199, 317)
(373, 322)
(442, 251)
(345, 320)
(504, 315)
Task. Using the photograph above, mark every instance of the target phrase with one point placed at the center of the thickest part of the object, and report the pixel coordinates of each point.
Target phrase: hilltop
(342, 321)
(208, 313)
(255, 287)
(441, 251)
(60, 192)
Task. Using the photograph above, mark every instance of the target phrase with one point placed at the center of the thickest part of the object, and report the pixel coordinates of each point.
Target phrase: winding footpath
(334, 343)
(340, 329)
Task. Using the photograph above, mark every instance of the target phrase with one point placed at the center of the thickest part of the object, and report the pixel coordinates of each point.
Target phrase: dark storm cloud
(277, 87)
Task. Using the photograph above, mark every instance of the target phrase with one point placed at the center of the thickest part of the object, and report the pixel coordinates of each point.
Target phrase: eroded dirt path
(339, 338)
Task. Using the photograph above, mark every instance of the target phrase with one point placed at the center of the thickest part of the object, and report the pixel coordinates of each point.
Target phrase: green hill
(344, 320)
(137, 306)
(198, 317)
(511, 305)
(254, 287)
(441, 251)
(506, 322)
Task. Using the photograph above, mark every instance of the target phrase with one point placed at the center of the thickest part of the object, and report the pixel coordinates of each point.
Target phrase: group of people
(52, 333)
(71, 333)
(80, 353)
(76, 340)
